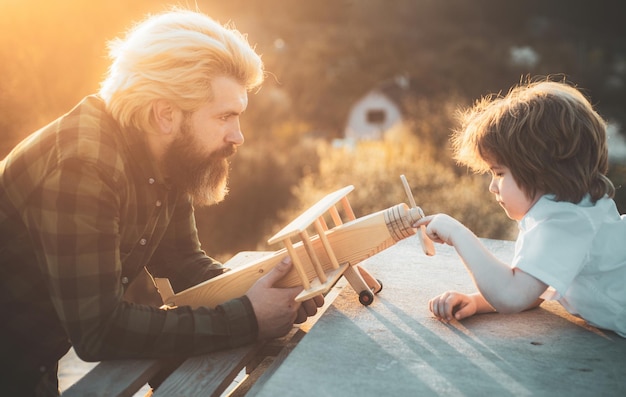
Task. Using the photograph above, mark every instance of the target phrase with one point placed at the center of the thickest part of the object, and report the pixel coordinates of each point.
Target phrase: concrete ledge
(395, 346)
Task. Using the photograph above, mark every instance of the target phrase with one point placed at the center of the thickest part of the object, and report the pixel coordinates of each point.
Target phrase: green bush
(374, 168)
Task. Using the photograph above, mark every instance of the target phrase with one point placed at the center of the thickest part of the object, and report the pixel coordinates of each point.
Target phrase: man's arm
(76, 221)
(179, 256)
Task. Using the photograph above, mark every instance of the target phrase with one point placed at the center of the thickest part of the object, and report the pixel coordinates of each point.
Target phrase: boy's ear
(166, 116)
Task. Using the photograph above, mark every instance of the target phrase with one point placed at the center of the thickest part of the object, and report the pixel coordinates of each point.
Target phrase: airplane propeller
(427, 244)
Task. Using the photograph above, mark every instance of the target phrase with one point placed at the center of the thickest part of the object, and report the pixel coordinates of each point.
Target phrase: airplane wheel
(381, 286)
(366, 298)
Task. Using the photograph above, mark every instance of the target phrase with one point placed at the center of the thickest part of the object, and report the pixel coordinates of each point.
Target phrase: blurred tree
(321, 57)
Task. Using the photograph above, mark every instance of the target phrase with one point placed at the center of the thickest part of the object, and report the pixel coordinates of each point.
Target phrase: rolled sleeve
(231, 324)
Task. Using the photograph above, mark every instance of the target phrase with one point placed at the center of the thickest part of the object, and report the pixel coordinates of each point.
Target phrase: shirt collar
(139, 153)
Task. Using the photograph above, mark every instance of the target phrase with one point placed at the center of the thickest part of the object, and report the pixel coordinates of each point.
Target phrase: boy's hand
(441, 228)
(452, 304)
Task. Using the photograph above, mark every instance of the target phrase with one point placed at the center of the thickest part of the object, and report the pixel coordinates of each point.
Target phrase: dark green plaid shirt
(82, 211)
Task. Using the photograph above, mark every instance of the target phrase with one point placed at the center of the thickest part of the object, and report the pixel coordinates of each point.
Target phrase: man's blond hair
(175, 56)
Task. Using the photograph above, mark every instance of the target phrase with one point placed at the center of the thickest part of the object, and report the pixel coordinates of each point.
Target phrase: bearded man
(107, 192)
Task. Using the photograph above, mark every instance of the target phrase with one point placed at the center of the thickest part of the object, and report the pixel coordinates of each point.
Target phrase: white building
(377, 112)
(371, 116)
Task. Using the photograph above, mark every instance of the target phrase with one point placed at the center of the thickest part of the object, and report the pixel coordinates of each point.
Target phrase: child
(546, 150)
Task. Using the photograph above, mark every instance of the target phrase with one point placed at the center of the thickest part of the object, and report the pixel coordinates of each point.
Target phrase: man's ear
(166, 116)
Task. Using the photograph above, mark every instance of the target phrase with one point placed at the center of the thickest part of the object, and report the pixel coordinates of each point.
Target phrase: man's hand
(275, 308)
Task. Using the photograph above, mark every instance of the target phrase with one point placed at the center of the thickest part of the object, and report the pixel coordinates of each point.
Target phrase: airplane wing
(298, 228)
(304, 220)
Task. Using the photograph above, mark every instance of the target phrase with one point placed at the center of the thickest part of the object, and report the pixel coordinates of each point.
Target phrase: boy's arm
(482, 306)
(507, 290)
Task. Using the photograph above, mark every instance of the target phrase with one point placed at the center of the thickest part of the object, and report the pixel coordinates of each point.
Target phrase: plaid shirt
(82, 210)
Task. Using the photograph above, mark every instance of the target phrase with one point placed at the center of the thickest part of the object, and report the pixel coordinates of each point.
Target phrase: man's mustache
(225, 152)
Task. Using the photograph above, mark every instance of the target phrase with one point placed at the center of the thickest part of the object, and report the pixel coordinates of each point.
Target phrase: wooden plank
(207, 375)
(113, 378)
(309, 216)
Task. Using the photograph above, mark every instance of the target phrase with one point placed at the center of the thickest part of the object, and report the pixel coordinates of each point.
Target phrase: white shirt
(579, 250)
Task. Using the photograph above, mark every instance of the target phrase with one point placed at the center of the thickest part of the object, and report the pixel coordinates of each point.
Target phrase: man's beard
(204, 178)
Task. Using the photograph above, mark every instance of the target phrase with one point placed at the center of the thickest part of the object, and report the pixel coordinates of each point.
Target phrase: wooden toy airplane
(318, 260)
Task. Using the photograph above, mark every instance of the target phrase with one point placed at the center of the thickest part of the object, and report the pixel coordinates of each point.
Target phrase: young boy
(546, 150)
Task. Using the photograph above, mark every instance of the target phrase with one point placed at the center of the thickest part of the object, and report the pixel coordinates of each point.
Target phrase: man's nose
(235, 136)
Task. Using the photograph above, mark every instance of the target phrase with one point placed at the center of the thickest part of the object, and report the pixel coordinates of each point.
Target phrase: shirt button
(124, 280)
(42, 369)
(151, 181)
(143, 241)
(158, 203)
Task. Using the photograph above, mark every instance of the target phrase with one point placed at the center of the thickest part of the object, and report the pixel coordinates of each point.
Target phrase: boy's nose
(493, 186)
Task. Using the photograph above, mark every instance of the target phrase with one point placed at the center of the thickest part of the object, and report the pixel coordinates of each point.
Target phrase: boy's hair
(175, 56)
(547, 133)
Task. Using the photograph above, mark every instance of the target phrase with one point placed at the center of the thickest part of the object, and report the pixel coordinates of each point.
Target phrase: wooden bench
(204, 375)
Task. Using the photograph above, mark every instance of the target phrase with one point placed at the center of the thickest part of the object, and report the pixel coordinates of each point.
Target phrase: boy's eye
(497, 172)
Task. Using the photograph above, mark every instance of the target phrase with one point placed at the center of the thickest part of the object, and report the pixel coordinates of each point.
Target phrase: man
(107, 191)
